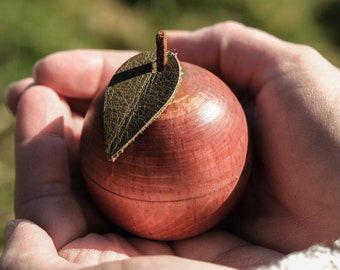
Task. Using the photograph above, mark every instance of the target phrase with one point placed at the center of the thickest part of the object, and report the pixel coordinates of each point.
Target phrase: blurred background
(29, 30)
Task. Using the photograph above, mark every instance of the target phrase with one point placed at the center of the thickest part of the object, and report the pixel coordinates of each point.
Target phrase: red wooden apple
(184, 173)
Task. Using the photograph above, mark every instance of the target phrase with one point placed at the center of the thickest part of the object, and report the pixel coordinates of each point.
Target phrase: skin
(290, 94)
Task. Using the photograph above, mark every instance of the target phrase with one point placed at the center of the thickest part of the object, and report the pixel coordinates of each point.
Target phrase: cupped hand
(289, 94)
(50, 190)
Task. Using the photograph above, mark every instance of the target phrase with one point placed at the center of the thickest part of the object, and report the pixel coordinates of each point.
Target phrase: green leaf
(135, 96)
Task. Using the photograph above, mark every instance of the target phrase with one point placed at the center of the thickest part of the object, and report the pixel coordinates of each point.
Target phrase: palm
(75, 225)
(215, 246)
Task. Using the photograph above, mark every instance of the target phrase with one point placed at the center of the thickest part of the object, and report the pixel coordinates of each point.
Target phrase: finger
(79, 73)
(43, 192)
(27, 246)
(159, 262)
(14, 92)
(245, 58)
(225, 248)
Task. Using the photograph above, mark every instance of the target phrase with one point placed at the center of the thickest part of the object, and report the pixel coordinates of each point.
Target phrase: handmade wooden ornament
(164, 149)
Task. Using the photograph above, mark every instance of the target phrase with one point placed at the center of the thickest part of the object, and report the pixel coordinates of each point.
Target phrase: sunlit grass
(32, 29)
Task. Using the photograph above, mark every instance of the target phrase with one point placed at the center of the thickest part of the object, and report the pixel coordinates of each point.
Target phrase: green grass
(32, 29)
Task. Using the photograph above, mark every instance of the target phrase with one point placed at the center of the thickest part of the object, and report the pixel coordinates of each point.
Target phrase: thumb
(27, 246)
(244, 57)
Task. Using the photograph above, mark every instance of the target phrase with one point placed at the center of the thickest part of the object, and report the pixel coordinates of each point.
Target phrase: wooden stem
(161, 43)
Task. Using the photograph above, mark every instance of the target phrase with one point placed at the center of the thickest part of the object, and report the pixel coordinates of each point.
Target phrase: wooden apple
(184, 173)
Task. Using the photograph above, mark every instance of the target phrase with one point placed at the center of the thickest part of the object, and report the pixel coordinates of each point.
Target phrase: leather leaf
(135, 96)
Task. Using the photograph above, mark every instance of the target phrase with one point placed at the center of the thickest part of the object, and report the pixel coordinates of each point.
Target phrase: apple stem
(161, 43)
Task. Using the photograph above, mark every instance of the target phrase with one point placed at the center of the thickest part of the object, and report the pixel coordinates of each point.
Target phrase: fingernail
(337, 244)
(10, 227)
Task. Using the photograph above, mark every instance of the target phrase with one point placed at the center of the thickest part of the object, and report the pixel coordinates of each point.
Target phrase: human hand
(48, 174)
(291, 96)
(50, 190)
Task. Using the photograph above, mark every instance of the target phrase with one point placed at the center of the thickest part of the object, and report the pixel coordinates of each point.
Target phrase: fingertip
(79, 73)
(15, 91)
(28, 246)
(179, 42)
(9, 229)
(36, 67)
(38, 111)
(174, 34)
(202, 43)
(75, 73)
(201, 47)
(241, 56)
(18, 230)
